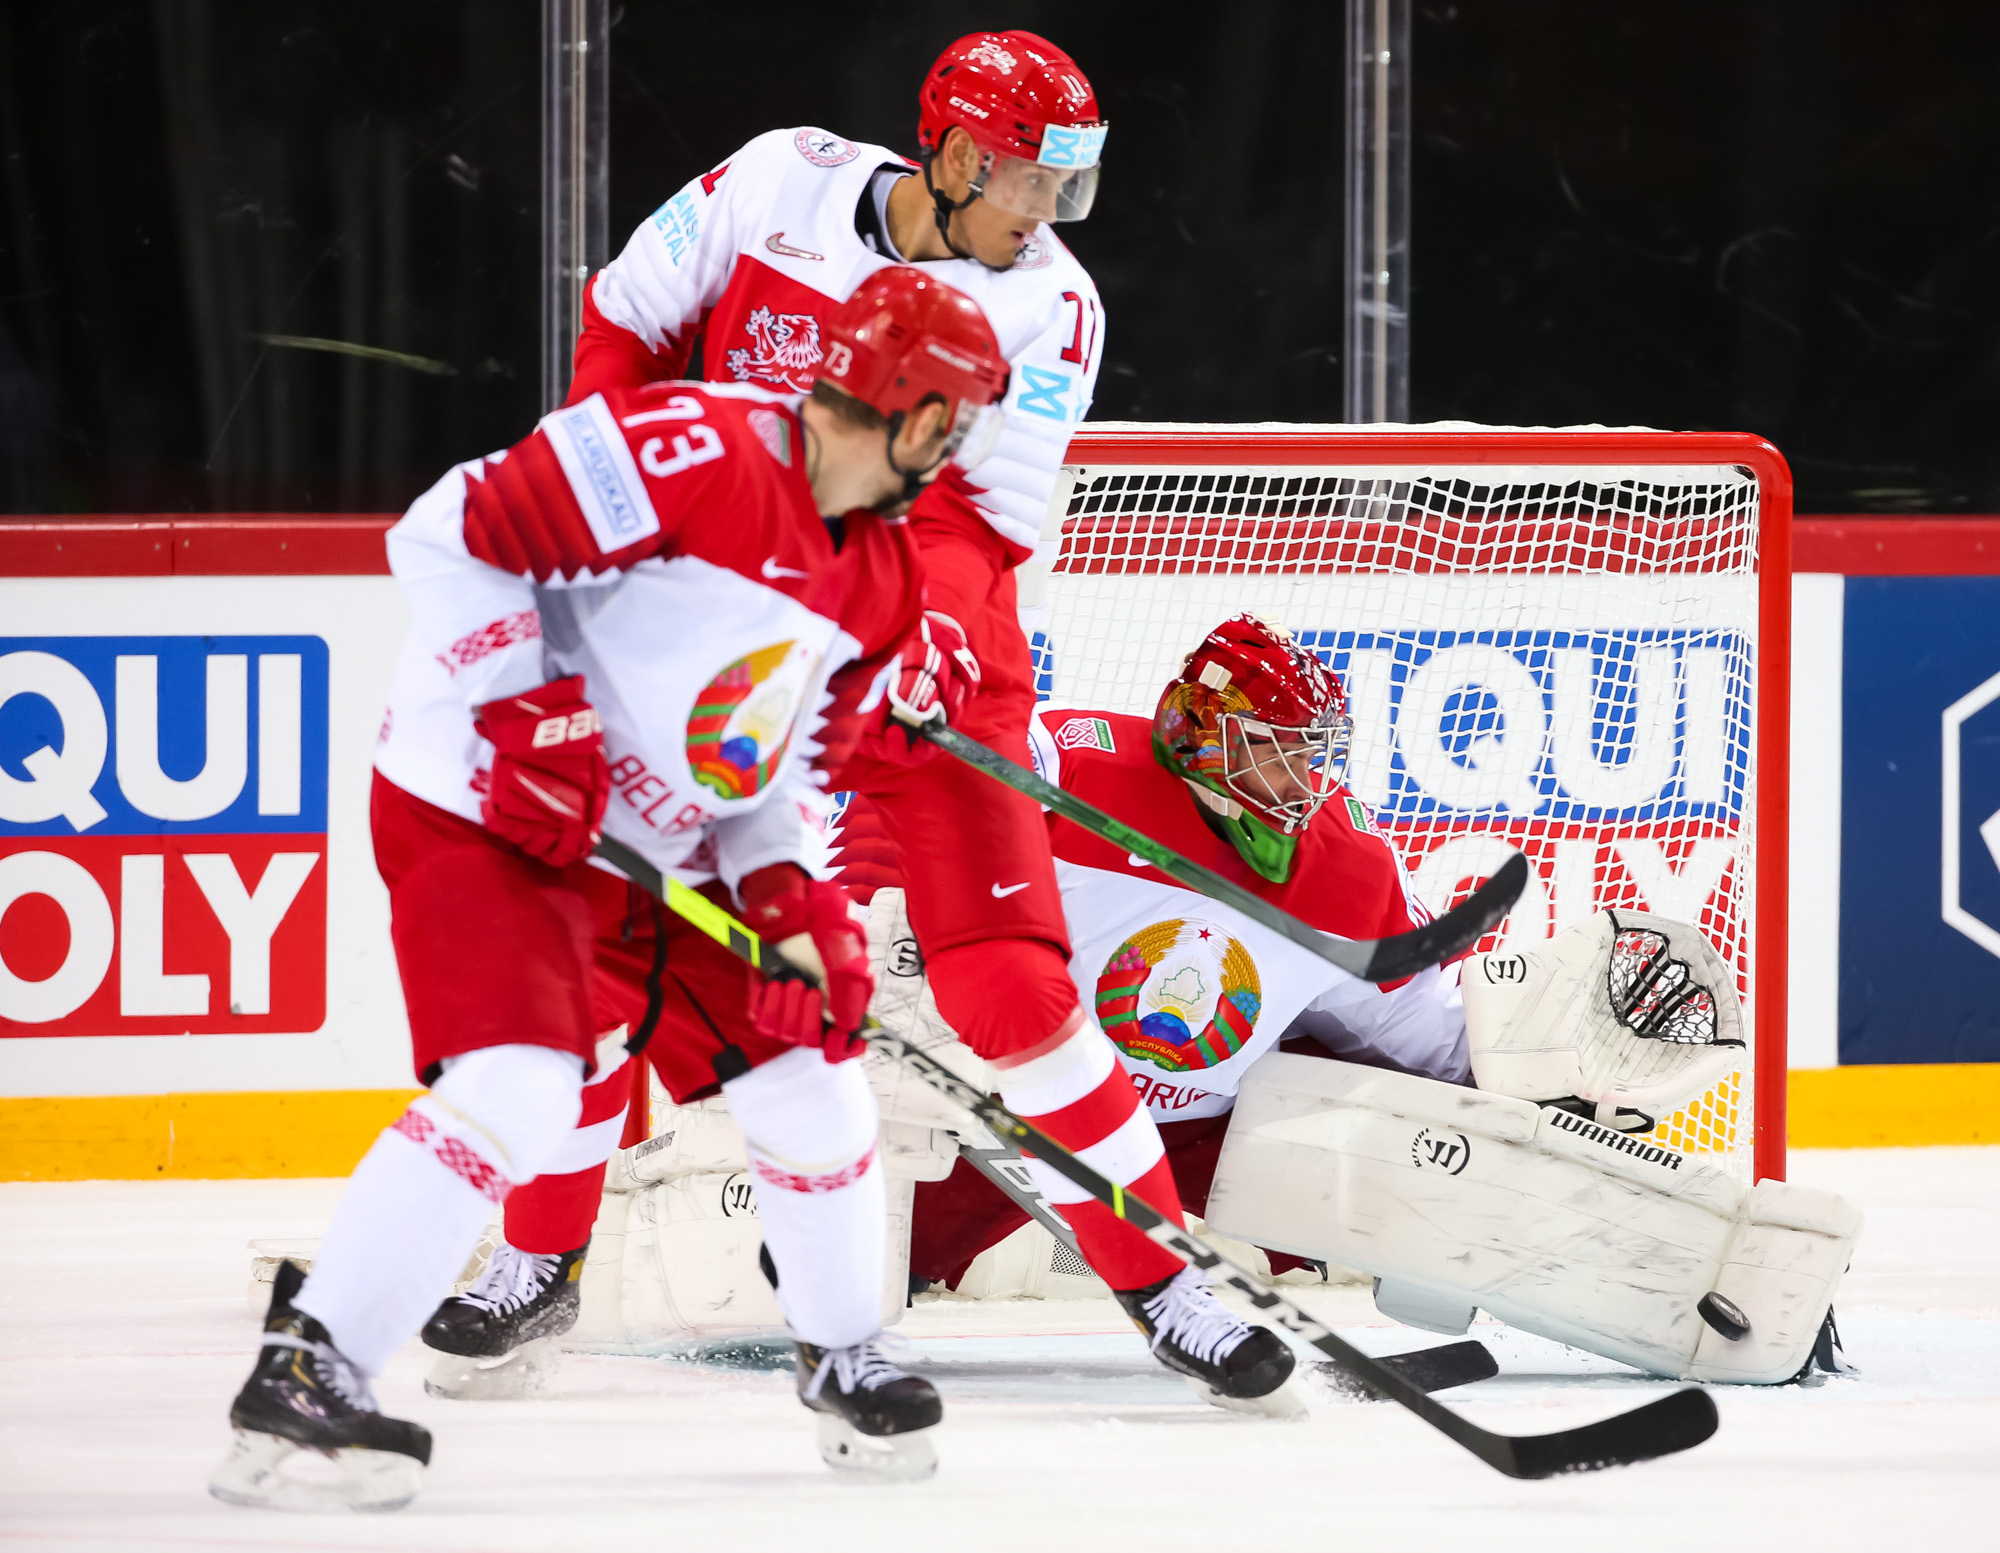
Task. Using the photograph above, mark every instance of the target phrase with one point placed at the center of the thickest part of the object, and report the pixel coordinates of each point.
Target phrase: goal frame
(1276, 446)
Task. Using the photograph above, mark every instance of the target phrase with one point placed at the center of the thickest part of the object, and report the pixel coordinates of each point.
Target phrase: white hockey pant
(1458, 1200)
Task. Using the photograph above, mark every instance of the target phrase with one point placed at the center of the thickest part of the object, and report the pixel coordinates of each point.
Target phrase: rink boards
(178, 1046)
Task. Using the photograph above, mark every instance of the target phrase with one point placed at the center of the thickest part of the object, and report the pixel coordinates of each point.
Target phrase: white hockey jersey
(664, 544)
(1191, 992)
(746, 261)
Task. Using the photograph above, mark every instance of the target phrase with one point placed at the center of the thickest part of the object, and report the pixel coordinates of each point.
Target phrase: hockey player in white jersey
(1538, 1196)
(743, 263)
(682, 595)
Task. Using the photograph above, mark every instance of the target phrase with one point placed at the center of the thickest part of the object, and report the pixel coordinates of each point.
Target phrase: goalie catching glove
(939, 673)
(550, 781)
(1631, 1013)
(808, 920)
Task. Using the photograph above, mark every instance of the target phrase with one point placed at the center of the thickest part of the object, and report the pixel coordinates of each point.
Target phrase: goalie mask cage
(1571, 642)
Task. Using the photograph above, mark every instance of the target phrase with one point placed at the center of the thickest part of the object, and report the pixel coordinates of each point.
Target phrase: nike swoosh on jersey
(1137, 861)
(773, 571)
(777, 244)
(1000, 894)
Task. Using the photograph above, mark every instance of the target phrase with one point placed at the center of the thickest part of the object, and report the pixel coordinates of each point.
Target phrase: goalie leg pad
(1549, 1222)
(673, 1257)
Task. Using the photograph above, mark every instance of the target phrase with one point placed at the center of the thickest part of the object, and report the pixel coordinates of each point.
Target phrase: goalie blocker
(1567, 1225)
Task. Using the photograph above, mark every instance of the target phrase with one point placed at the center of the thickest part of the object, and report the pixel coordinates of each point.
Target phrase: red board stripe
(253, 544)
(319, 544)
(1897, 547)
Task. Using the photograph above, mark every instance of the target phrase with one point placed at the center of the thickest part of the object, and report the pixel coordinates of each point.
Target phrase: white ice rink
(126, 1333)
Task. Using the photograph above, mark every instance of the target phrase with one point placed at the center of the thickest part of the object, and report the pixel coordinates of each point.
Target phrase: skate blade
(525, 1372)
(894, 1458)
(1284, 1404)
(264, 1472)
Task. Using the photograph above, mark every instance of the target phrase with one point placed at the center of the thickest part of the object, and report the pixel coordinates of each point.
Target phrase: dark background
(1779, 216)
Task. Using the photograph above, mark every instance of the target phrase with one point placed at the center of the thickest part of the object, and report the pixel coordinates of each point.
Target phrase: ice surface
(124, 1336)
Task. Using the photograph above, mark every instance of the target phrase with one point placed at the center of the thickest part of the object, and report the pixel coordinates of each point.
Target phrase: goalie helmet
(1032, 112)
(903, 337)
(1258, 729)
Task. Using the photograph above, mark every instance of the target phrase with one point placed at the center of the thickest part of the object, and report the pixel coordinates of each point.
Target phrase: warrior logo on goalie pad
(1450, 1152)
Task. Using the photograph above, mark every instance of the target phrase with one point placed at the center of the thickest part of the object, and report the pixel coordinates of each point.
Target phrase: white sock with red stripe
(811, 1128)
(415, 1205)
(1073, 1088)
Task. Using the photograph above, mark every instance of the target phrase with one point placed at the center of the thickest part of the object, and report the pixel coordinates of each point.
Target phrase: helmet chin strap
(944, 207)
(913, 481)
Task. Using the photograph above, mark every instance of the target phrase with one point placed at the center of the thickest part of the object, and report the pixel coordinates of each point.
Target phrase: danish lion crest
(784, 348)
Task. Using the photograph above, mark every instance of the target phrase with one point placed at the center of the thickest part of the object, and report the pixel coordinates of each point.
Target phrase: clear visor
(1037, 192)
(1284, 774)
(974, 431)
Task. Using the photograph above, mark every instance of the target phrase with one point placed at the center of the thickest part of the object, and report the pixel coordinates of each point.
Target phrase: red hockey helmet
(1025, 103)
(903, 337)
(1258, 727)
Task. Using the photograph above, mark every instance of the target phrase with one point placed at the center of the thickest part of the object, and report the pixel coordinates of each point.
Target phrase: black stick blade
(1454, 932)
(1428, 1369)
(1673, 1423)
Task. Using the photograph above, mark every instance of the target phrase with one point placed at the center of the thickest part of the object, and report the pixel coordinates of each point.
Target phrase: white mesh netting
(1554, 658)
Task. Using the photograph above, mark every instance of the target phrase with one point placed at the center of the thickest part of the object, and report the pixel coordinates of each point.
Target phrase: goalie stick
(1371, 959)
(1658, 1428)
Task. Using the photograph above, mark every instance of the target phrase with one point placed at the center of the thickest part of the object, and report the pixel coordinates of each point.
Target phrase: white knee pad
(516, 1105)
(1459, 1200)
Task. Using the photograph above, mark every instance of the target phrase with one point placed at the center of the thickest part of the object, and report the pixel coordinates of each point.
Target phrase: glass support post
(1378, 211)
(576, 174)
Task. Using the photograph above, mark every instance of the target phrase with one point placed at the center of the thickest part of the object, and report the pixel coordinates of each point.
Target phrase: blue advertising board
(1920, 821)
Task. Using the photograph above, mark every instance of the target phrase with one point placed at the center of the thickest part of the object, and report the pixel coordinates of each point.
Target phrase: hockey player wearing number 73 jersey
(709, 583)
(1485, 1137)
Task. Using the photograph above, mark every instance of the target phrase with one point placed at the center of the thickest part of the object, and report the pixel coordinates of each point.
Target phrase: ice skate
(497, 1340)
(874, 1418)
(1227, 1361)
(309, 1435)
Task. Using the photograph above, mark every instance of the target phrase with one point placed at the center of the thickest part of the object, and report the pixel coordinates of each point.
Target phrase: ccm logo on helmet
(566, 730)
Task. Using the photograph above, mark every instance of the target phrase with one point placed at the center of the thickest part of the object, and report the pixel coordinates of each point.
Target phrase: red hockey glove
(939, 675)
(550, 781)
(779, 904)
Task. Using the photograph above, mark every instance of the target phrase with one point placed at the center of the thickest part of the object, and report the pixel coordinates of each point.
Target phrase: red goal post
(1575, 642)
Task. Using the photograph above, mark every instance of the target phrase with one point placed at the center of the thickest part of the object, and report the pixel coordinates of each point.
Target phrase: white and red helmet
(1258, 726)
(903, 337)
(1027, 106)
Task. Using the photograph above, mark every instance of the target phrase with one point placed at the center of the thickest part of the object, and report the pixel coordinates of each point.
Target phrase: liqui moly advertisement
(163, 834)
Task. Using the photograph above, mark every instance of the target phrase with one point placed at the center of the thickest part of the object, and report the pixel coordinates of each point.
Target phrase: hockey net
(1550, 641)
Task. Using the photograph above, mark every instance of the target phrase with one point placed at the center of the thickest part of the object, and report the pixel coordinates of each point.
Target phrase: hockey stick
(1659, 1428)
(1371, 959)
(1008, 1173)
(1434, 1369)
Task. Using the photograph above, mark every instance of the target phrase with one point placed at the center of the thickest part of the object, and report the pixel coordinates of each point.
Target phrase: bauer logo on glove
(550, 780)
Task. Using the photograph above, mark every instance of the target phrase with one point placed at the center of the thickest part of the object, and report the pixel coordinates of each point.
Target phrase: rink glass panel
(1549, 641)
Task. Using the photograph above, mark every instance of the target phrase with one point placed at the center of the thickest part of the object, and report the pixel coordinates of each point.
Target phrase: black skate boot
(873, 1416)
(1227, 1361)
(304, 1398)
(500, 1333)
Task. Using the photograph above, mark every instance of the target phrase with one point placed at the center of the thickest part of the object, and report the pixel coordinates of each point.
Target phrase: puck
(1725, 1315)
